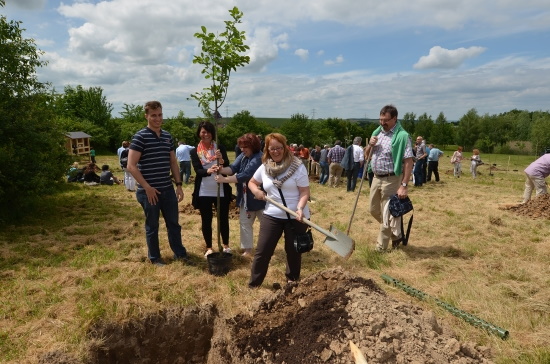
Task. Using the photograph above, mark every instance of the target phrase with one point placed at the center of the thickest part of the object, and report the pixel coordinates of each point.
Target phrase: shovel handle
(304, 220)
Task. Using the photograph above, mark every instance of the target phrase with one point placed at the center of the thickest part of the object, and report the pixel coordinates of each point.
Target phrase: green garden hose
(469, 318)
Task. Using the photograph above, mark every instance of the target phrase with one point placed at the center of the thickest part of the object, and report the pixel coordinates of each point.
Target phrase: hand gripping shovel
(342, 244)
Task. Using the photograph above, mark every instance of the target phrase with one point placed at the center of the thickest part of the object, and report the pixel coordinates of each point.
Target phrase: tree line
(86, 109)
(34, 118)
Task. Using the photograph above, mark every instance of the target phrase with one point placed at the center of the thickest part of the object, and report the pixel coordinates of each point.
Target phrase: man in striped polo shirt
(150, 160)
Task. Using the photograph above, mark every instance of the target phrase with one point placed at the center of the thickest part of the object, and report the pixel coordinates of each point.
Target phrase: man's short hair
(389, 109)
(152, 105)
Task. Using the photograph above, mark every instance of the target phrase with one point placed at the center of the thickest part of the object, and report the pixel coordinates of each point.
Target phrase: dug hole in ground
(311, 321)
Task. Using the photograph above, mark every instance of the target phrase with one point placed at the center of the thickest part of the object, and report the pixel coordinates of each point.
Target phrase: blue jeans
(167, 204)
(324, 173)
(185, 168)
(419, 172)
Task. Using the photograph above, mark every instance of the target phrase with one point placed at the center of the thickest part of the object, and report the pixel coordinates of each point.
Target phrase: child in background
(476, 160)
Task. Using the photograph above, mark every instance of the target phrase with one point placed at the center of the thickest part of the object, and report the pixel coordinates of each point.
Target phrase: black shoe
(186, 260)
(158, 262)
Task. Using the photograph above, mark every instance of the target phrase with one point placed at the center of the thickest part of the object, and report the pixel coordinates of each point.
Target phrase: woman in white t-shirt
(204, 157)
(280, 171)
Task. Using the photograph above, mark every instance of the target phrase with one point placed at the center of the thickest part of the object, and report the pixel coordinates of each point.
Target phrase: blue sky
(323, 58)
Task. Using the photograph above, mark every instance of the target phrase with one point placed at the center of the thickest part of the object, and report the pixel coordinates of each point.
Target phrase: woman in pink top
(456, 159)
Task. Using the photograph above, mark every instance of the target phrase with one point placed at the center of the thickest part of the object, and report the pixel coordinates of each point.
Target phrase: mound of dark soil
(314, 321)
(539, 207)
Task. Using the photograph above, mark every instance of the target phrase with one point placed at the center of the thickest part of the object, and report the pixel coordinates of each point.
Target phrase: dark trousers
(425, 170)
(185, 168)
(433, 167)
(352, 177)
(207, 215)
(271, 230)
(167, 204)
(418, 172)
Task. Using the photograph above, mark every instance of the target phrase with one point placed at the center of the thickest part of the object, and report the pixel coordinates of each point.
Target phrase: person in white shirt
(184, 159)
(358, 160)
(283, 178)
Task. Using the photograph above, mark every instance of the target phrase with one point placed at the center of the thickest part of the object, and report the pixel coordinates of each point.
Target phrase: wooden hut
(77, 143)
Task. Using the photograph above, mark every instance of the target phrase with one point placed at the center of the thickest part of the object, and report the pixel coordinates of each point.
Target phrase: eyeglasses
(275, 149)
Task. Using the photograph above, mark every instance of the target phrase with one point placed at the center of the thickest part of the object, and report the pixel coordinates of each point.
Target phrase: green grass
(80, 259)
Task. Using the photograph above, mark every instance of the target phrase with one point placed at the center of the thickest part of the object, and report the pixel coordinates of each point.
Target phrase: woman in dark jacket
(205, 158)
(240, 172)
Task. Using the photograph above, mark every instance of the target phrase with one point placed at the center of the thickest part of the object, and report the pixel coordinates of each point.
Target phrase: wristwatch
(403, 184)
(178, 184)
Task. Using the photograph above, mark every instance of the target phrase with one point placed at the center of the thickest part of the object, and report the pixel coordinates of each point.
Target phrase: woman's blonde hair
(281, 139)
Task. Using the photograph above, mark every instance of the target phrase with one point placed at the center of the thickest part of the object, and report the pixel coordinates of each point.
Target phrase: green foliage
(424, 126)
(298, 130)
(181, 128)
(467, 132)
(442, 132)
(32, 156)
(87, 110)
(132, 119)
(408, 122)
(241, 123)
(540, 131)
(220, 55)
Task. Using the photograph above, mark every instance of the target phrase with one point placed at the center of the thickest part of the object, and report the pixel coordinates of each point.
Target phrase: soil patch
(539, 207)
(312, 321)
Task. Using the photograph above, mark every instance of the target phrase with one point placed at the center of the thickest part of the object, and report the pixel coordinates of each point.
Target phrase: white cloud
(447, 58)
(142, 49)
(302, 53)
(330, 62)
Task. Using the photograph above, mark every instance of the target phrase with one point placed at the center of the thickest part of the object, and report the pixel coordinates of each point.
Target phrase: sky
(322, 58)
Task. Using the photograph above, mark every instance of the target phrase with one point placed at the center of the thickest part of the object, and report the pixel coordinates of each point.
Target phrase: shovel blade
(342, 244)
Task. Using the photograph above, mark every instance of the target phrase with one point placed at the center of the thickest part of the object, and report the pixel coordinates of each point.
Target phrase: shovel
(342, 244)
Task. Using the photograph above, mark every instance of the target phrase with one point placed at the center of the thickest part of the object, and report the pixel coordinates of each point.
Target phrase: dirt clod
(539, 207)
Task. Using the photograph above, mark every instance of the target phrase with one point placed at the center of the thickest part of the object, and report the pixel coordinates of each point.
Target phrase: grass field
(80, 259)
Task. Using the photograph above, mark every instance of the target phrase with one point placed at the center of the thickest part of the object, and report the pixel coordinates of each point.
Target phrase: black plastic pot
(219, 264)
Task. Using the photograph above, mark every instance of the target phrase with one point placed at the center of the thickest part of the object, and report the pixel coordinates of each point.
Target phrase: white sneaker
(208, 252)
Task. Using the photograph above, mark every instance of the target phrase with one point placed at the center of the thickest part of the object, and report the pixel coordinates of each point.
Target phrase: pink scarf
(206, 155)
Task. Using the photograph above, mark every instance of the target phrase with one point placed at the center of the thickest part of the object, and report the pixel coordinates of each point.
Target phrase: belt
(385, 175)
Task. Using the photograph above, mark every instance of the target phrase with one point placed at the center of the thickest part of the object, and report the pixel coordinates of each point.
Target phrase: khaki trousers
(536, 183)
(380, 192)
(335, 170)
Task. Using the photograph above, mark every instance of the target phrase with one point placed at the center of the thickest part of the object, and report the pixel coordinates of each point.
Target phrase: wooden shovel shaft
(304, 220)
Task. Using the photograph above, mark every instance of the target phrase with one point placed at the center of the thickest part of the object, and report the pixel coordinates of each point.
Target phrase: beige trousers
(335, 170)
(536, 183)
(380, 192)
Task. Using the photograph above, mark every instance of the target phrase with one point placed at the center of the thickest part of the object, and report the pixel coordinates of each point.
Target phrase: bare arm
(254, 187)
(174, 167)
(402, 192)
(302, 201)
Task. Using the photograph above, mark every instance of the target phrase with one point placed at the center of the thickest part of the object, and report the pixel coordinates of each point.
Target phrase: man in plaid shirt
(335, 156)
(392, 160)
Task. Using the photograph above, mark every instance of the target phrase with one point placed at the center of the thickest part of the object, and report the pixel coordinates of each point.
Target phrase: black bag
(399, 207)
(303, 242)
